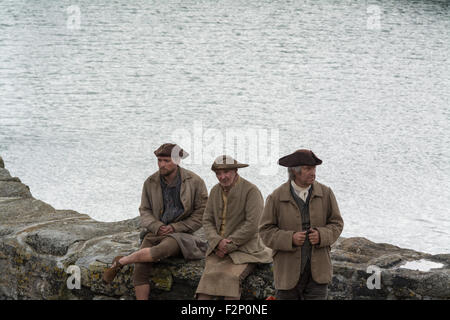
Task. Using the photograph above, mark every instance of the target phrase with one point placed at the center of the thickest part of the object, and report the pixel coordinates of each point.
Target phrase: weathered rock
(38, 244)
(2, 164)
(352, 257)
(14, 189)
(5, 176)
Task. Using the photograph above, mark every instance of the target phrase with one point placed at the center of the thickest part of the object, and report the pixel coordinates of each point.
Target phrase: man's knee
(168, 247)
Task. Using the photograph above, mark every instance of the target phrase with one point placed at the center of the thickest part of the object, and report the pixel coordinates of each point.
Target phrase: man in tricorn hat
(172, 205)
(301, 220)
(230, 223)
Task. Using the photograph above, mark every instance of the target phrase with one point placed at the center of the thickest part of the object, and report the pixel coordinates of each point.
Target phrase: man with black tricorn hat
(301, 220)
(230, 223)
(172, 205)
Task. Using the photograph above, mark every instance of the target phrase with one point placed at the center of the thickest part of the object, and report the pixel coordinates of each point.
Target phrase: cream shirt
(301, 192)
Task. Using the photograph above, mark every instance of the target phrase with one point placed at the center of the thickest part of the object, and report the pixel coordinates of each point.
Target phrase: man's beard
(166, 172)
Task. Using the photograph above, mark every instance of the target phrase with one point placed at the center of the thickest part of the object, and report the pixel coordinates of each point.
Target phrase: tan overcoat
(193, 195)
(281, 219)
(244, 207)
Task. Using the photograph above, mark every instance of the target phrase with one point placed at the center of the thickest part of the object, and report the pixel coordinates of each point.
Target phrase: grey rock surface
(38, 246)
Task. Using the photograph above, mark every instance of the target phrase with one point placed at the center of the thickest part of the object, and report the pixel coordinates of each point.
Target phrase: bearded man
(172, 205)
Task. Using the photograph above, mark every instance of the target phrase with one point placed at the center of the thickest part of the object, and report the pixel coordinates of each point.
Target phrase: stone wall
(38, 244)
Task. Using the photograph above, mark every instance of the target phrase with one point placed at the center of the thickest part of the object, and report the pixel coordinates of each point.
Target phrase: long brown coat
(193, 195)
(281, 219)
(244, 207)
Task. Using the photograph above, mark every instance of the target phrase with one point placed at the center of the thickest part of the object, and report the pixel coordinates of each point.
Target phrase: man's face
(166, 165)
(226, 177)
(306, 176)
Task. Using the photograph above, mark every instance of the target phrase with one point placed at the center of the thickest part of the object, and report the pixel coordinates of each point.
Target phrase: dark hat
(225, 162)
(166, 149)
(300, 157)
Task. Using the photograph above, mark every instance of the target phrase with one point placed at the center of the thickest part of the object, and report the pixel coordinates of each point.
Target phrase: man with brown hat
(172, 205)
(301, 220)
(230, 223)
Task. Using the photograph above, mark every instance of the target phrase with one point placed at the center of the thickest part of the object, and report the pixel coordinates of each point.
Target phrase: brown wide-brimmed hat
(225, 162)
(301, 157)
(165, 150)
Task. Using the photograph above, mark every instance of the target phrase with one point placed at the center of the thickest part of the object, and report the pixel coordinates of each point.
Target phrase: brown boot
(110, 273)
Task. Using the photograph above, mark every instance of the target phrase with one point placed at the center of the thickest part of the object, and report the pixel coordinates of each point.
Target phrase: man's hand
(222, 248)
(298, 238)
(165, 230)
(314, 236)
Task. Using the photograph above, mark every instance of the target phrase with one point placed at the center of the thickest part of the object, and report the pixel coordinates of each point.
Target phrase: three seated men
(298, 224)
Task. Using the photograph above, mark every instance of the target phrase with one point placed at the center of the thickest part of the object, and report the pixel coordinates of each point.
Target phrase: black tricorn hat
(301, 157)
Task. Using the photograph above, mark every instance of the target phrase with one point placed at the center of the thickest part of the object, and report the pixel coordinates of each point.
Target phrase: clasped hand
(221, 250)
(299, 238)
(165, 230)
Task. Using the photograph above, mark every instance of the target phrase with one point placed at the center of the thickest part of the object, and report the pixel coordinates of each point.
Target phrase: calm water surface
(364, 84)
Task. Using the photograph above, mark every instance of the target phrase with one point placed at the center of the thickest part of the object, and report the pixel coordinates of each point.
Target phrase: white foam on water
(422, 265)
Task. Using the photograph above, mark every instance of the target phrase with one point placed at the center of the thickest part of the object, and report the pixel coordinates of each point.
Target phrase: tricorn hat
(301, 157)
(166, 150)
(225, 162)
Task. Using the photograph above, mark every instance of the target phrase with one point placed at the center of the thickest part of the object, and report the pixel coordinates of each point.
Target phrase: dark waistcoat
(304, 212)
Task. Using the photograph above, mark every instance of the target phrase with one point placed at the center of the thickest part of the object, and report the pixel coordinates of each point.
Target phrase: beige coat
(281, 219)
(193, 195)
(244, 207)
